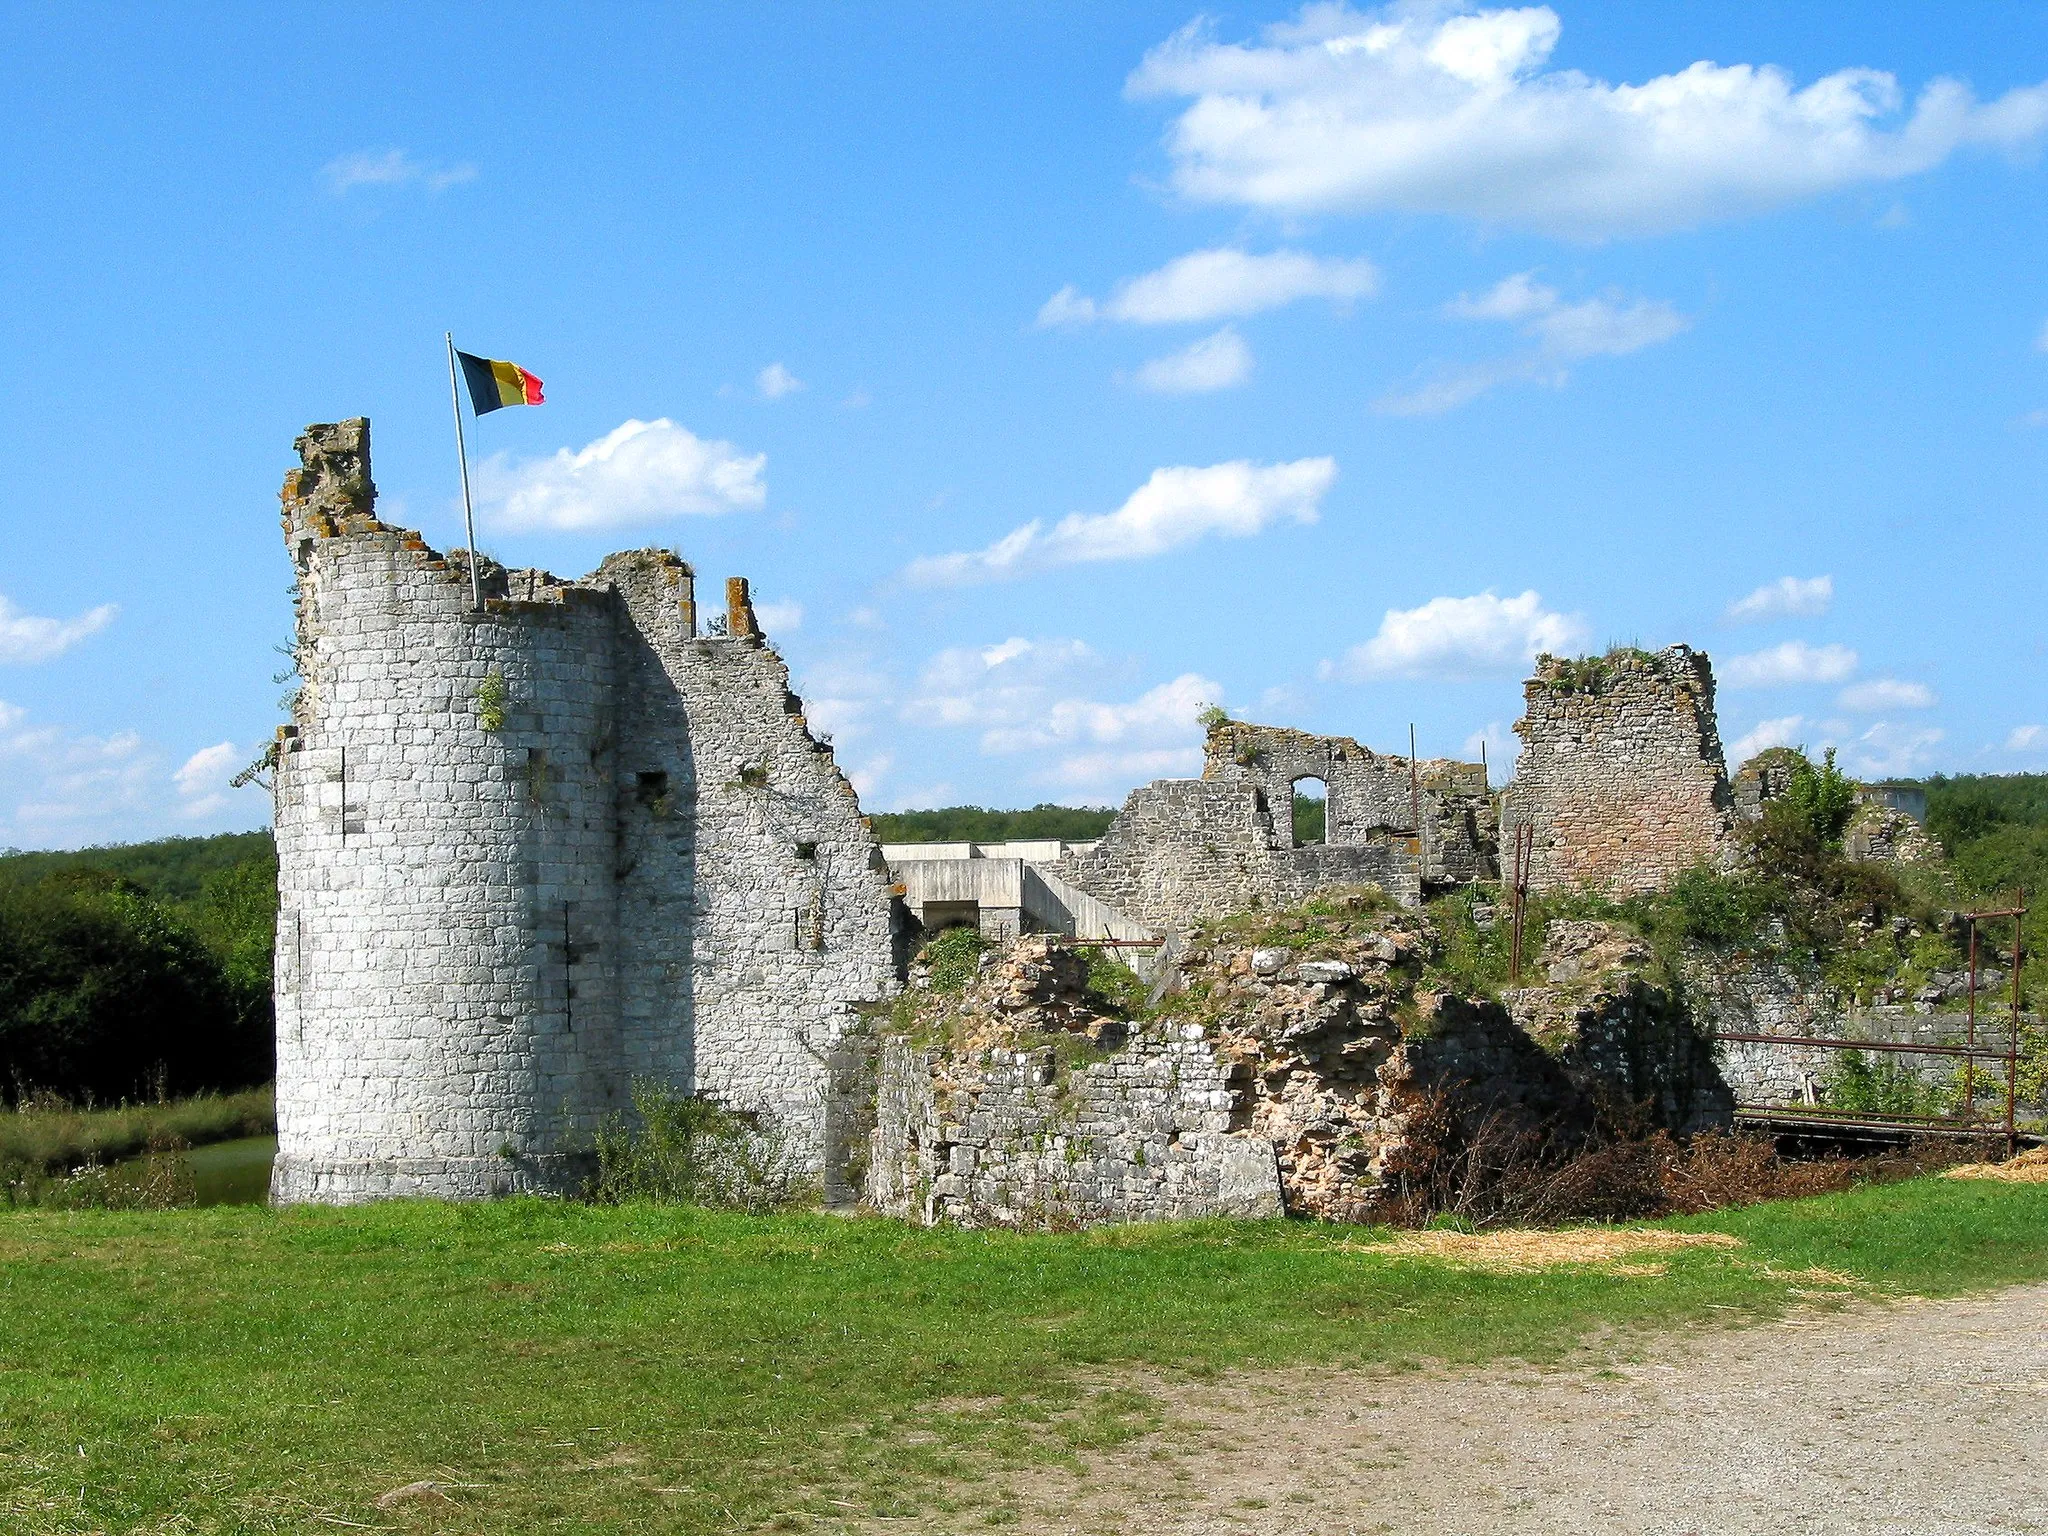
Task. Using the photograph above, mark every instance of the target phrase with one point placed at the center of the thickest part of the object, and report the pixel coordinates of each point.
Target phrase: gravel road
(1900, 1418)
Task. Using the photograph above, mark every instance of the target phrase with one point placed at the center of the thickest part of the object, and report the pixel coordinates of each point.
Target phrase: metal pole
(476, 582)
(1414, 789)
(1970, 1063)
(2012, 1044)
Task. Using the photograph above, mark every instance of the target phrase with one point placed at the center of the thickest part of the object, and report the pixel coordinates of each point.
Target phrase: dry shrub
(1498, 1168)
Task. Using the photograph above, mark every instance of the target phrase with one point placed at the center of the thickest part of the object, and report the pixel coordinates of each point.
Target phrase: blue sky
(1052, 371)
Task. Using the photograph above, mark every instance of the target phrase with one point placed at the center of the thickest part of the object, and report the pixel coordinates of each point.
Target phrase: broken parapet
(531, 851)
(1621, 775)
(1370, 797)
(1186, 849)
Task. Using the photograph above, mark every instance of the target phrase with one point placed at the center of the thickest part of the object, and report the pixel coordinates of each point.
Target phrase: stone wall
(530, 851)
(1143, 1136)
(1371, 798)
(1186, 849)
(1621, 773)
(1295, 1063)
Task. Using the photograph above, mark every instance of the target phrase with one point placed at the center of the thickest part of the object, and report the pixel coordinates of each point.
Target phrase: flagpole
(476, 584)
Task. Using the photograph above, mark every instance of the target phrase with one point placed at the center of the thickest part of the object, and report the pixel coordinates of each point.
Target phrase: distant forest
(977, 824)
(136, 969)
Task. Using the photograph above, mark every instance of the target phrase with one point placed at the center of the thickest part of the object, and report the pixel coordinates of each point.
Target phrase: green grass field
(572, 1368)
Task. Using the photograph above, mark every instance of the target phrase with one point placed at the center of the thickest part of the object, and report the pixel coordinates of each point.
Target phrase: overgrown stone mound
(1293, 1060)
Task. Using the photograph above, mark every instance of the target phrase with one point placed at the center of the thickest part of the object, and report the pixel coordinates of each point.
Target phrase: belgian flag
(492, 383)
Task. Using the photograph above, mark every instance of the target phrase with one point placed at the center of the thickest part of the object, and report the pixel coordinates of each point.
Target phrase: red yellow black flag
(492, 383)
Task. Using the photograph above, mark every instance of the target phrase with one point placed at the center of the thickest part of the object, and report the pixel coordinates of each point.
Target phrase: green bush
(1857, 1085)
(106, 995)
(953, 958)
(1819, 800)
(1311, 818)
(682, 1149)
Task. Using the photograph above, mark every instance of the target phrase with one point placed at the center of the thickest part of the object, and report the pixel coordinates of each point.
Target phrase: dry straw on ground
(2027, 1168)
(1532, 1250)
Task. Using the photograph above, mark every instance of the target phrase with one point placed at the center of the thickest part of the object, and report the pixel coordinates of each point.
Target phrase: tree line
(143, 970)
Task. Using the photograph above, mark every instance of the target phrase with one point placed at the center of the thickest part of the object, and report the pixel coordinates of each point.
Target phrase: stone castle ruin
(534, 852)
(1621, 779)
(531, 852)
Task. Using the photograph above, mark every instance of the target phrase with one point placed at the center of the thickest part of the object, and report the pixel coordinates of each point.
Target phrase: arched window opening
(1311, 808)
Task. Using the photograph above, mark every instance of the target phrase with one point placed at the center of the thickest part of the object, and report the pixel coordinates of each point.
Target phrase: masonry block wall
(1143, 1136)
(1186, 849)
(1621, 773)
(1370, 797)
(532, 851)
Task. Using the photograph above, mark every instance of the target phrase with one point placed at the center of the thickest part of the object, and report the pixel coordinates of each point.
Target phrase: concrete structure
(529, 853)
(1621, 774)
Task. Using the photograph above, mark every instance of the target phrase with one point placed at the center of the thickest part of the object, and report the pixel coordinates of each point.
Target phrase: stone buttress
(531, 853)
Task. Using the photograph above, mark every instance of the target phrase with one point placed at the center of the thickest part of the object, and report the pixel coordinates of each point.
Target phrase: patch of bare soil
(1907, 1418)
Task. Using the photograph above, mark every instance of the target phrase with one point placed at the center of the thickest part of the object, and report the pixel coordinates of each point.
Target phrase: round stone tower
(532, 850)
(444, 884)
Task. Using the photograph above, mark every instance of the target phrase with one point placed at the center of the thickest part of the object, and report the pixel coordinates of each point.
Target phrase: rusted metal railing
(1965, 1121)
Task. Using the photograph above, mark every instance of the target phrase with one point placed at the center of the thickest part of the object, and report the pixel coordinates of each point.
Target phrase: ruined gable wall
(1370, 796)
(648, 867)
(788, 902)
(1621, 772)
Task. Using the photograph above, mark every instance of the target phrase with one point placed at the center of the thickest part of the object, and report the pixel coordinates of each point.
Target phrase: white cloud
(1613, 326)
(1793, 662)
(780, 618)
(1069, 306)
(1462, 637)
(57, 787)
(1438, 108)
(203, 782)
(1215, 362)
(1176, 506)
(25, 638)
(1880, 694)
(1110, 775)
(392, 168)
(1501, 748)
(1789, 597)
(639, 472)
(2024, 738)
(869, 776)
(775, 381)
(1215, 284)
(1606, 327)
(1780, 732)
(842, 694)
(2041, 341)
(1888, 751)
(1040, 697)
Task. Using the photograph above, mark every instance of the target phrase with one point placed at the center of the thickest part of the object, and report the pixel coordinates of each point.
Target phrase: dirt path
(1908, 1418)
